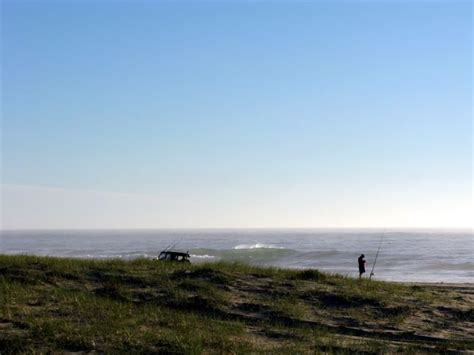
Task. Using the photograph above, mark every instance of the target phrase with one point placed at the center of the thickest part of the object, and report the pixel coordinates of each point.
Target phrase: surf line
(376, 256)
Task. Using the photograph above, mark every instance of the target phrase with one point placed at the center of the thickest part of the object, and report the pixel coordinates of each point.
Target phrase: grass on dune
(144, 306)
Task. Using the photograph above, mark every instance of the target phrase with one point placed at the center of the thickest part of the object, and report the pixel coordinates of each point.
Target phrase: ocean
(405, 255)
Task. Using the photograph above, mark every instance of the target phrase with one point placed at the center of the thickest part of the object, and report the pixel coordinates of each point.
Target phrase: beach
(406, 255)
(146, 306)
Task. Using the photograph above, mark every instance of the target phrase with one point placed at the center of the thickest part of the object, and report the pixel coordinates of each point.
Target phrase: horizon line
(381, 229)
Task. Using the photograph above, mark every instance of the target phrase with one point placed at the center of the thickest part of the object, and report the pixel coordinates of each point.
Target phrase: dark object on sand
(174, 256)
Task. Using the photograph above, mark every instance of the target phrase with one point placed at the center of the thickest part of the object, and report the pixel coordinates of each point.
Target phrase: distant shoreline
(405, 283)
(404, 257)
(437, 284)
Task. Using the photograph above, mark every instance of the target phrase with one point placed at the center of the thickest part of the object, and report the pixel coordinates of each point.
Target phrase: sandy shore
(467, 285)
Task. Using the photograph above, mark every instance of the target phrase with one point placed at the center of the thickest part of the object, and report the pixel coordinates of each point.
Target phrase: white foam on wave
(205, 256)
(96, 256)
(257, 246)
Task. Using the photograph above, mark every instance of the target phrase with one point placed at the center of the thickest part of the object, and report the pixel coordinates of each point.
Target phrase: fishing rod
(376, 256)
(172, 246)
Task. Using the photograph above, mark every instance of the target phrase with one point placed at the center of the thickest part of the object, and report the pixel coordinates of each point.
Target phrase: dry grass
(52, 305)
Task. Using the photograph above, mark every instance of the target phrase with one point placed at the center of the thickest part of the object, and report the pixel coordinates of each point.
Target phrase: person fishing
(361, 262)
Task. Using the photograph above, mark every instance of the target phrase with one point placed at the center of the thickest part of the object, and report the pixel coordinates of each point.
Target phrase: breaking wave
(257, 246)
(205, 256)
(256, 255)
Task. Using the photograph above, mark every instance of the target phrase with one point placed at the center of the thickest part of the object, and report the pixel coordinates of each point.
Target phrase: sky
(237, 114)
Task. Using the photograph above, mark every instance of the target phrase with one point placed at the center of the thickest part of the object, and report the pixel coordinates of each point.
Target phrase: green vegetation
(52, 305)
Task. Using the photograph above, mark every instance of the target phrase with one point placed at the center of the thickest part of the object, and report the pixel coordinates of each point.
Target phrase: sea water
(405, 255)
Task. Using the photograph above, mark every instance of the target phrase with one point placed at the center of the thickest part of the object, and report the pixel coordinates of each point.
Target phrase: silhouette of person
(361, 262)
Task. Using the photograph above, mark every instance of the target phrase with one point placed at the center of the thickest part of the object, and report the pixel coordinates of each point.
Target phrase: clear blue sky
(236, 114)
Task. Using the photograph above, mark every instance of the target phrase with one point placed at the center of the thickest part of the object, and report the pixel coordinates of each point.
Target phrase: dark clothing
(361, 264)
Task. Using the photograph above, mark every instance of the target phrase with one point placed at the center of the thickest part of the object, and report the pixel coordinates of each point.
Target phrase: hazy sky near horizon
(236, 114)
